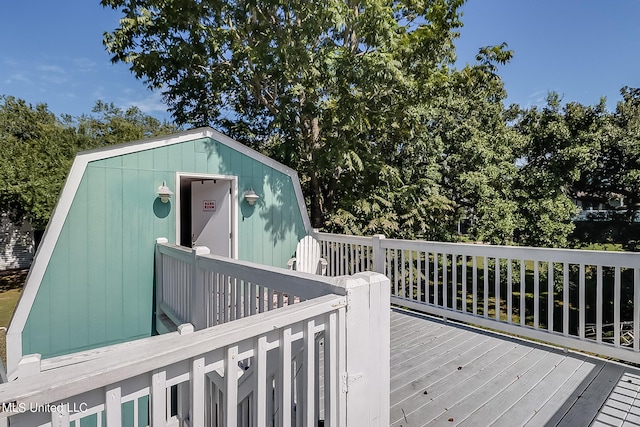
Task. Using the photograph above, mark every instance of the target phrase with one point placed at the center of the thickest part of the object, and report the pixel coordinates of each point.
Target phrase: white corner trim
(69, 190)
(40, 263)
(303, 208)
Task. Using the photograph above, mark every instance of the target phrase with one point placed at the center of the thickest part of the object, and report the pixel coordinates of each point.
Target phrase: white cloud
(51, 69)
(150, 104)
(18, 77)
(11, 62)
(84, 65)
(537, 99)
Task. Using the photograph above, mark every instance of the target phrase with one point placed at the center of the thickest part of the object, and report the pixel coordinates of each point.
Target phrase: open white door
(207, 212)
(211, 215)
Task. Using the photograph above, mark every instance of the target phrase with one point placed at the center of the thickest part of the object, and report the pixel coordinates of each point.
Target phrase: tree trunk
(312, 127)
(317, 214)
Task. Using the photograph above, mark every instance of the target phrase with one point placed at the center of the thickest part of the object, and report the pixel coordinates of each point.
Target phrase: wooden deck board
(516, 403)
(444, 383)
(450, 374)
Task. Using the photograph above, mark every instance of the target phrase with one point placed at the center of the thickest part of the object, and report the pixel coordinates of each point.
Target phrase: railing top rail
(344, 238)
(175, 251)
(572, 256)
(304, 285)
(158, 352)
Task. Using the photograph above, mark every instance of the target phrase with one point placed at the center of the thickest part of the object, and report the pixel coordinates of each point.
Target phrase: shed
(91, 282)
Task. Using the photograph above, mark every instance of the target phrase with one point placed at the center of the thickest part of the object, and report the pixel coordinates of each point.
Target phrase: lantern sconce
(164, 193)
(251, 197)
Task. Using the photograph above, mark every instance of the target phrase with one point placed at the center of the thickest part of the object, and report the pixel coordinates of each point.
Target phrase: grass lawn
(10, 290)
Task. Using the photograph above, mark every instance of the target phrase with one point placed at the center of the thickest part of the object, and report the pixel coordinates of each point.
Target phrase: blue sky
(582, 49)
(51, 51)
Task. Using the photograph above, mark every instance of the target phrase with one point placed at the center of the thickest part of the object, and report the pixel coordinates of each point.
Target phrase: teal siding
(98, 286)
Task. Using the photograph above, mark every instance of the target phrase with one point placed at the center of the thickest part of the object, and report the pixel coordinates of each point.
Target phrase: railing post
(29, 365)
(198, 292)
(378, 254)
(366, 381)
(159, 278)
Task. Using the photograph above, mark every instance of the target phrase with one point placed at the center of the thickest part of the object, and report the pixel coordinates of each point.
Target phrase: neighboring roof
(59, 215)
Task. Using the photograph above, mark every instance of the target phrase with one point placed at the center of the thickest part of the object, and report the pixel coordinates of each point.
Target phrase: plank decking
(444, 373)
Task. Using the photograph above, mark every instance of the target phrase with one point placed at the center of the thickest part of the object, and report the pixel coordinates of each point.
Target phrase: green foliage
(332, 88)
(36, 154)
(110, 125)
(362, 99)
(37, 149)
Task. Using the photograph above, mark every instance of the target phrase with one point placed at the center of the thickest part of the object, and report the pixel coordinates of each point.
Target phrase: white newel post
(159, 279)
(378, 254)
(29, 365)
(366, 381)
(198, 291)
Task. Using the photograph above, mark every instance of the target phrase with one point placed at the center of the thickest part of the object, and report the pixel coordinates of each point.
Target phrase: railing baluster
(464, 283)
(411, 293)
(436, 299)
(395, 274)
(61, 418)
(233, 309)
(402, 271)
(599, 304)
(454, 281)
(474, 283)
(536, 294)
(616, 307)
(306, 408)
(335, 259)
(230, 386)
(419, 276)
(260, 382)
(565, 299)
(270, 299)
(113, 405)
(497, 288)
(551, 296)
(246, 298)
(509, 290)
(387, 267)
(582, 302)
(352, 261)
(636, 311)
(198, 390)
(427, 278)
(445, 280)
(284, 378)
(159, 398)
(331, 370)
(523, 293)
(485, 295)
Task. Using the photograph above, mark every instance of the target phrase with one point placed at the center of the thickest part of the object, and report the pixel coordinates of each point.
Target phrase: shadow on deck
(445, 373)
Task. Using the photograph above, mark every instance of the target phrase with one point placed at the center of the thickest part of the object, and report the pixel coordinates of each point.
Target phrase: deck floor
(443, 373)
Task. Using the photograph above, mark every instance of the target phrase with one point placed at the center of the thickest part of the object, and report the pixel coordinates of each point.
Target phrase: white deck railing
(326, 357)
(205, 290)
(587, 300)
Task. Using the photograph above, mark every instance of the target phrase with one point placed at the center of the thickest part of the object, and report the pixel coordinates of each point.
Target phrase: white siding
(16, 244)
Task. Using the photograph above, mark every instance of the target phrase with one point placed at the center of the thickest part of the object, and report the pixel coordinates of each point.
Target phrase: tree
(618, 164)
(560, 153)
(37, 149)
(329, 87)
(110, 125)
(36, 154)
